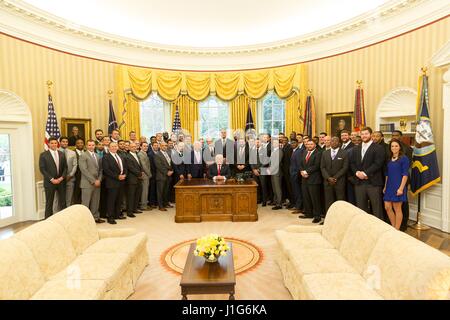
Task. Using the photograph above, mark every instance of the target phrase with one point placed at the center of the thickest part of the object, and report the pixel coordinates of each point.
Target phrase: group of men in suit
(299, 172)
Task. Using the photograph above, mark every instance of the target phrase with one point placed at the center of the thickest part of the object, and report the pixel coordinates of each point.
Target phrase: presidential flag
(424, 169)
(112, 123)
(51, 127)
(176, 127)
(249, 123)
(309, 126)
(360, 114)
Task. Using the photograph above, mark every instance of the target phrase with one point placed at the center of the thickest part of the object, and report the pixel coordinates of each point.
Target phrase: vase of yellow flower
(211, 247)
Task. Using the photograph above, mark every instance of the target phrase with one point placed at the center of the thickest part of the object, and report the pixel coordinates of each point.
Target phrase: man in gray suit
(91, 179)
(72, 163)
(275, 172)
(334, 166)
(145, 163)
(164, 172)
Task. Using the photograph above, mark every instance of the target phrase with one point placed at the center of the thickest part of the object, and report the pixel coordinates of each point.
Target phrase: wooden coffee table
(201, 277)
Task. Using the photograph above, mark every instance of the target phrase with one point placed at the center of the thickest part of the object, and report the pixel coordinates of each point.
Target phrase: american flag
(176, 122)
(360, 114)
(51, 128)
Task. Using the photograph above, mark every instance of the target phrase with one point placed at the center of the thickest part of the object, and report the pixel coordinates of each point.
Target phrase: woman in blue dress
(395, 190)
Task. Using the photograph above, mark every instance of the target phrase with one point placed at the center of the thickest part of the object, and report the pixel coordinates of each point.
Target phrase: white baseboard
(430, 207)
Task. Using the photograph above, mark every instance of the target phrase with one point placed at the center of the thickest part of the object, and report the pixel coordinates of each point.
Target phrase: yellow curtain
(187, 88)
(189, 115)
(295, 103)
(238, 111)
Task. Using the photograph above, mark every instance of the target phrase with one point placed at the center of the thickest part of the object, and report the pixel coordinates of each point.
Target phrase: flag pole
(110, 92)
(49, 86)
(418, 225)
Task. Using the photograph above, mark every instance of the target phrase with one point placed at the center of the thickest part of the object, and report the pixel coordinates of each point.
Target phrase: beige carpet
(264, 281)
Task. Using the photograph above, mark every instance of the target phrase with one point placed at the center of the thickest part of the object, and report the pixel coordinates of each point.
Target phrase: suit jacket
(222, 149)
(241, 159)
(264, 154)
(348, 147)
(276, 158)
(145, 163)
(196, 168)
(287, 153)
(336, 168)
(90, 169)
(372, 164)
(224, 171)
(134, 169)
(151, 157)
(296, 158)
(111, 170)
(312, 167)
(162, 166)
(178, 164)
(72, 162)
(48, 169)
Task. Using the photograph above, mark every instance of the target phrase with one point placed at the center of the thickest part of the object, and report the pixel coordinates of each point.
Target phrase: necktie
(57, 161)
(119, 163)
(218, 169)
(167, 157)
(333, 154)
(95, 159)
(308, 156)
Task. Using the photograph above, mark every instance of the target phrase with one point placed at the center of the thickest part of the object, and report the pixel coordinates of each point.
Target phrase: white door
(7, 196)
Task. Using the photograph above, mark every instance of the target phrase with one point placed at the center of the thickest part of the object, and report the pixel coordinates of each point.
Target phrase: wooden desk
(201, 277)
(204, 200)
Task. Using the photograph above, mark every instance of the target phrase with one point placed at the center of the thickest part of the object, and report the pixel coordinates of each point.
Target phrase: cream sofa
(67, 257)
(356, 256)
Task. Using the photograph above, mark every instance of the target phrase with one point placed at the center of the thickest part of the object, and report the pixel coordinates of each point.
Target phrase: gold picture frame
(338, 121)
(84, 127)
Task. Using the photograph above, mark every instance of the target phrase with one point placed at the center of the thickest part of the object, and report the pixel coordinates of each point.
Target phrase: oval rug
(246, 255)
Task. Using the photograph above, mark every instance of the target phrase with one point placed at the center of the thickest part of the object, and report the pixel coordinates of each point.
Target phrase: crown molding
(396, 17)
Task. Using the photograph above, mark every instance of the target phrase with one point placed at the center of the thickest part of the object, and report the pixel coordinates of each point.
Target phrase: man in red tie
(220, 171)
(311, 181)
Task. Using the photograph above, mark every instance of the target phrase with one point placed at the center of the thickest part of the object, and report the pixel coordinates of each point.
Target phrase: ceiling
(206, 23)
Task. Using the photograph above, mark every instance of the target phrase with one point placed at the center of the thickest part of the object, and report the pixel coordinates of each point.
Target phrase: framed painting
(75, 128)
(336, 122)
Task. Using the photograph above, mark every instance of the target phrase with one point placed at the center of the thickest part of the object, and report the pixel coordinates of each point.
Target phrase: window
(213, 117)
(155, 115)
(272, 115)
(6, 200)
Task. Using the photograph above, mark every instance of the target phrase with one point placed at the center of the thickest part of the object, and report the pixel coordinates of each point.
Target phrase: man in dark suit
(179, 164)
(260, 168)
(164, 172)
(311, 181)
(219, 170)
(241, 155)
(114, 173)
(334, 166)
(152, 194)
(225, 146)
(134, 180)
(79, 149)
(196, 168)
(286, 178)
(53, 166)
(347, 145)
(295, 178)
(366, 165)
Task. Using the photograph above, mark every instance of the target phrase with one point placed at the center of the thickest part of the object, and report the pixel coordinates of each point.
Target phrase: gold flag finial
(424, 70)
(49, 86)
(359, 83)
(310, 92)
(110, 92)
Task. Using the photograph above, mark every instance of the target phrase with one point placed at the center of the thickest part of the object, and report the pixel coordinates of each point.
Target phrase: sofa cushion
(337, 220)
(50, 245)
(290, 241)
(309, 261)
(79, 224)
(405, 268)
(63, 289)
(108, 267)
(20, 275)
(360, 239)
(337, 286)
(129, 245)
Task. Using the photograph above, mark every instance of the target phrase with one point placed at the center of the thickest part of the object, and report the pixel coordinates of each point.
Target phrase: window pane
(273, 113)
(214, 116)
(153, 114)
(6, 196)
